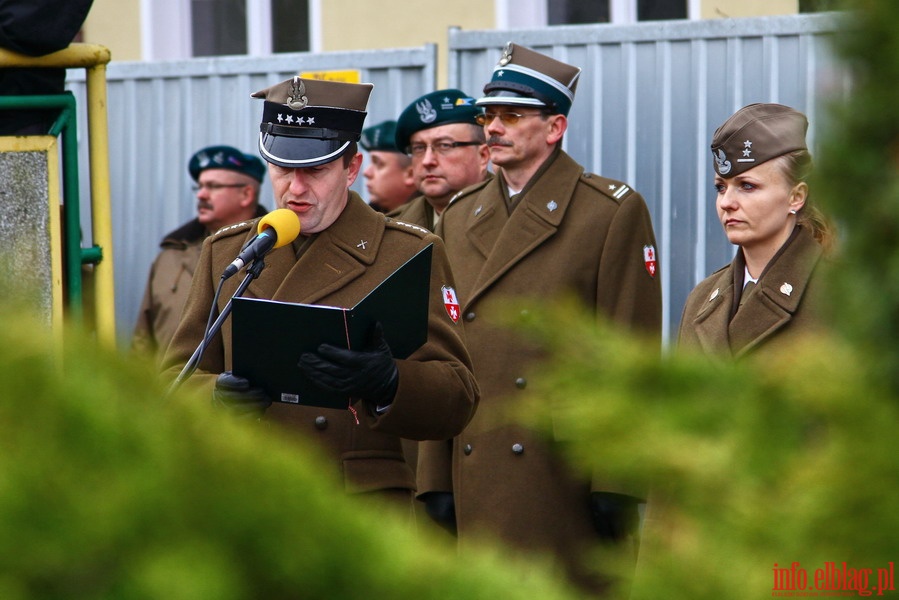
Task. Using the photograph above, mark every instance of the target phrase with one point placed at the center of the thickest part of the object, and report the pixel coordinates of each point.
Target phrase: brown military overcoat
(784, 305)
(573, 232)
(437, 393)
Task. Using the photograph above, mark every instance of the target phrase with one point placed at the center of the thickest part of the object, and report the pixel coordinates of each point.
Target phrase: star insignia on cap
(310, 120)
(300, 120)
(747, 152)
(747, 144)
(500, 73)
(289, 119)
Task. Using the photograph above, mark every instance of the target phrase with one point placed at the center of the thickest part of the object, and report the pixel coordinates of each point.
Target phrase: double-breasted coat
(784, 305)
(437, 393)
(571, 232)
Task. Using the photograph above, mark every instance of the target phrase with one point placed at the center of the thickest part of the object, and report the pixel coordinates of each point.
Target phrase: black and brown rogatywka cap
(755, 134)
(310, 122)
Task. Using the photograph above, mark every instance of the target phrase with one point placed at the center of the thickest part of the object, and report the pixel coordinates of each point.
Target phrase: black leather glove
(370, 373)
(234, 394)
(441, 507)
(615, 516)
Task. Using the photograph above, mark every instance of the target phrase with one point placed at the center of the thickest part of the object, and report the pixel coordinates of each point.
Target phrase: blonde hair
(797, 167)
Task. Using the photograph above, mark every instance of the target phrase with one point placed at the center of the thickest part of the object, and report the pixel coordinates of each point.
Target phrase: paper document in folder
(268, 336)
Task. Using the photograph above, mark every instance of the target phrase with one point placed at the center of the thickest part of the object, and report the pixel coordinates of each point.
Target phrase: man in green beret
(542, 228)
(227, 191)
(440, 132)
(309, 134)
(388, 176)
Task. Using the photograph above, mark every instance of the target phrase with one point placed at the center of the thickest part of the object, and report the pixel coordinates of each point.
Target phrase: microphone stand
(253, 272)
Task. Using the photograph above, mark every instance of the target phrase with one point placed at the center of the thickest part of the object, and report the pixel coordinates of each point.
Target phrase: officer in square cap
(524, 77)
(310, 122)
(341, 251)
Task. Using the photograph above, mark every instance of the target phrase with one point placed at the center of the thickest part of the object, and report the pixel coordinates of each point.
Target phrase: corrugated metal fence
(651, 96)
(161, 113)
(649, 99)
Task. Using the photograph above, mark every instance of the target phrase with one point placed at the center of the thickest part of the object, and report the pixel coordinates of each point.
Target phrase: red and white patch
(451, 303)
(650, 261)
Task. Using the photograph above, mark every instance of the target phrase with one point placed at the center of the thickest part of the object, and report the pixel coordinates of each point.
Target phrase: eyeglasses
(441, 148)
(507, 118)
(212, 186)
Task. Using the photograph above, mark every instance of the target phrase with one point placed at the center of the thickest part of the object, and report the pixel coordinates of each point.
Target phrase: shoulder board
(234, 229)
(614, 189)
(408, 227)
(469, 190)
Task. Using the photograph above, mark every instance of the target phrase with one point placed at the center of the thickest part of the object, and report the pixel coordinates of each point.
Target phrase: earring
(792, 211)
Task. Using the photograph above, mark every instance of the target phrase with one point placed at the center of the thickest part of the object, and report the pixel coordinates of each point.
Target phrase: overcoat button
(469, 317)
(467, 449)
(517, 449)
(521, 383)
(321, 423)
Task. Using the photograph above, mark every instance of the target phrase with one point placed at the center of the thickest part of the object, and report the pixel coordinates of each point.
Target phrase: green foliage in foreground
(107, 493)
(791, 458)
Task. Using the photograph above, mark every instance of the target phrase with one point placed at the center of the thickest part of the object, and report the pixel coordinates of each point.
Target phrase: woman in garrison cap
(767, 294)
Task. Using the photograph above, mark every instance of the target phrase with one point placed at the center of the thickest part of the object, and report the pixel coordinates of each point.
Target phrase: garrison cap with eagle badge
(310, 122)
(225, 157)
(524, 77)
(755, 134)
(380, 138)
(431, 110)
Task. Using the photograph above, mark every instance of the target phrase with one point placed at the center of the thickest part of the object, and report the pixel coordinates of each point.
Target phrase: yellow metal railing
(94, 59)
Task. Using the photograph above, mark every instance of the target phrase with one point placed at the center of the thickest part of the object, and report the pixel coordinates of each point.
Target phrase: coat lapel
(337, 256)
(780, 291)
(712, 322)
(506, 241)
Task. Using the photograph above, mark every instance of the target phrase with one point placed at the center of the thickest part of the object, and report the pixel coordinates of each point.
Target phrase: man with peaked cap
(389, 173)
(542, 228)
(440, 132)
(309, 134)
(227, 192)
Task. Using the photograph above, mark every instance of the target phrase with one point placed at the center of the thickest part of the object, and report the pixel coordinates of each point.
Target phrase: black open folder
(268, 336)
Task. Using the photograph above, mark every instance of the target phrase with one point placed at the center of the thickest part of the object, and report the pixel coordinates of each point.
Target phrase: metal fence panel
(648, 102)
(160, 113)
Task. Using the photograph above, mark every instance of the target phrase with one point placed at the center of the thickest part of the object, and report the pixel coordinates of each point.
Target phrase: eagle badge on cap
(721, 161)
(297, 98)
(426, 111)
(506, 58)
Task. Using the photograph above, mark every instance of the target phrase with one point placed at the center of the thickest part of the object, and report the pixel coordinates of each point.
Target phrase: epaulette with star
(614, 189)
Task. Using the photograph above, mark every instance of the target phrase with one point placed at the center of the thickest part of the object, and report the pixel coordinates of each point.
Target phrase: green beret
(431, 110)
(380, 137)
(524, 77)
(225, 157)
(755, 134)
(310, 122)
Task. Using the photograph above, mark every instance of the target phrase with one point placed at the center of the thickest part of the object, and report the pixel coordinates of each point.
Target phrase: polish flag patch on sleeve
(451, 303)
(650, 260)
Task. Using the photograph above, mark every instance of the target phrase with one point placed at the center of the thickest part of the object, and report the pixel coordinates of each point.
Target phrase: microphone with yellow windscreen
(278, 228)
